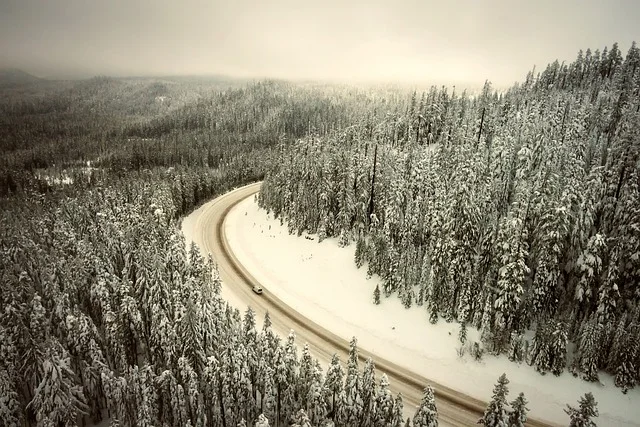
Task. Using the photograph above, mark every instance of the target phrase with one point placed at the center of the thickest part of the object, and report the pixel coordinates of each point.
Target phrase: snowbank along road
(207, 231)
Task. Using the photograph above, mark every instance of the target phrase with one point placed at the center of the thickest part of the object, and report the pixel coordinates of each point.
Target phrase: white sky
(404, 41)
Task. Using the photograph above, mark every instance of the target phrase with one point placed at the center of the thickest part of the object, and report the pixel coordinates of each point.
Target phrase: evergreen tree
(518, 415)
(550, 347)
(262, 421)
(516, 350)
(301, 419)
(496, 413)
(627, 371)
(383, 404)
(427, 413)
(589, 349)
(57, 399)
(333, 384)
(360, 251)
(316, 399)
(398, 411)
(305, 378)
(9, 404)
(462, 335)
(582, 416)
(368, 393)
(352, 388)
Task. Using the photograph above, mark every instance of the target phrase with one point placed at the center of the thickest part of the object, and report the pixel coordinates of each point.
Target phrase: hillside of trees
(106, 315)
(509, 212)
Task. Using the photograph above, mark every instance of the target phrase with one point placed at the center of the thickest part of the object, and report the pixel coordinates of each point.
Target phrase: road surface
(454, 408)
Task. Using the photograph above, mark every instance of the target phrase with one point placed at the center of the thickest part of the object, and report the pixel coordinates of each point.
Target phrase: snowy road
(205, 227)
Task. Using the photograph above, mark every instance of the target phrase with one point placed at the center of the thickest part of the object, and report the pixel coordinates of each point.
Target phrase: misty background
(456, 42)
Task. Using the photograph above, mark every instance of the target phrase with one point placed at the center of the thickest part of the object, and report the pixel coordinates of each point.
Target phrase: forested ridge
(106, 315)
(510, 212)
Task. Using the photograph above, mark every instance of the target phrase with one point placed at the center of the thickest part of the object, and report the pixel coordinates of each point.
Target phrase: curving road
(454, 408)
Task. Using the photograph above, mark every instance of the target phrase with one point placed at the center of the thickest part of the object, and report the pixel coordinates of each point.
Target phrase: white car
(257, 289)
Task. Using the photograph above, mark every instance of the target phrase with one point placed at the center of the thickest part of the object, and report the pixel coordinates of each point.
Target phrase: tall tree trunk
(333, 407)
(278, 408)
(564, 119)
(373, 181)
(481, 124)
(220, 397)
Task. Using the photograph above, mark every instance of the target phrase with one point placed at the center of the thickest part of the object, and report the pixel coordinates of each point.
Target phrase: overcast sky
(453, 41)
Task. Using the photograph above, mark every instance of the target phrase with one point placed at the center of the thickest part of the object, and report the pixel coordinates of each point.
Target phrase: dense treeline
(105, 313)
(132, 125)
(509, 212)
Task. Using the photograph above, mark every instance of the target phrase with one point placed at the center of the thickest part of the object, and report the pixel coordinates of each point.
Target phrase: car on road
(257, 289)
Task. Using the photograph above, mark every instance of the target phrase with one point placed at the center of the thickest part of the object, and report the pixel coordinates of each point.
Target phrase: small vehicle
(257, 289)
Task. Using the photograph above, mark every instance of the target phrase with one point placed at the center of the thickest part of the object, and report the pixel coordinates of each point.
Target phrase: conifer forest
(516, 212)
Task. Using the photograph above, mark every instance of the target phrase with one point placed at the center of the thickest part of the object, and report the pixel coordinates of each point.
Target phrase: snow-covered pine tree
(462, 335)
(262, 421)
(398, 411)
(333, 385)
(292, 364)
(425, 279)
(383, 404)
(617, 344)
(34, 340)
(189, 329)
(143, 384)
(582, 416)
(172, 400)
(190, 384)
(589, 348)
(250, 341)
(518, 415)
(57, 400)
(268, 400)
(305, 378)
(368, 393)
(210, 389)
(550, 347)
(427, 413)
(589, 265)
(516, 349)
(317, 402)
(10, 413)
(352, 388)
(511, 277)
(496, 414)
(301, 419)
(558, 347)
(627, 374)
(486, 325)
(361, 250)
(281, 385)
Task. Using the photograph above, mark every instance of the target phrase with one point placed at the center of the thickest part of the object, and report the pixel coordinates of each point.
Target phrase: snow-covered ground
(321, 281)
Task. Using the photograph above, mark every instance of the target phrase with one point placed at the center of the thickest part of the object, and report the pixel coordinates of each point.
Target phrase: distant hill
(15, 77)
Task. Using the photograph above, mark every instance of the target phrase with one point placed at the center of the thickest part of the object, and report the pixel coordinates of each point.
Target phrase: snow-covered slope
(322, 282)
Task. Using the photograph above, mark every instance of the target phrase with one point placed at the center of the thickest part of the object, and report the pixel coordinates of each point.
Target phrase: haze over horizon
(408, 41)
